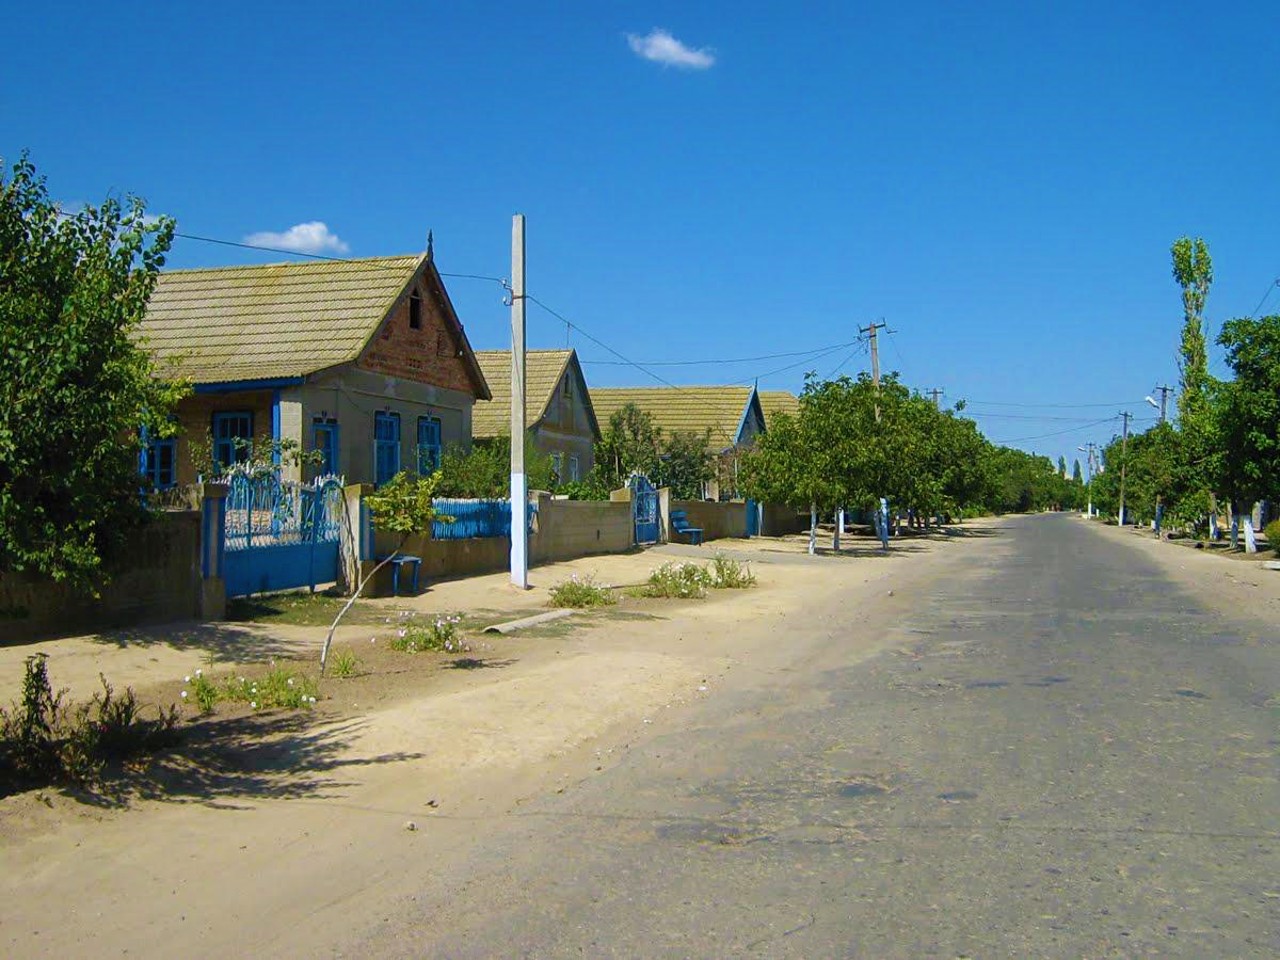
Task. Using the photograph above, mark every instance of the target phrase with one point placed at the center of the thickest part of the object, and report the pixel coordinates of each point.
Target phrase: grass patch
(683, 581)
(279, 687)
(729, 574)
(300, 609)
(440, 635)
(345, 664)
(581, 592)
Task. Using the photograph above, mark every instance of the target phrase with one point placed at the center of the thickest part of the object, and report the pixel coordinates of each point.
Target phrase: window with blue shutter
(324, 440)
(386, 446)
(428, 445)
(159, 463)
(232, 438)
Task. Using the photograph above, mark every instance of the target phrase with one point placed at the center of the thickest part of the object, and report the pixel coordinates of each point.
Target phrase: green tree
(1076, 475)
(1248, 412)
(684, 465)
(78, 390)
(1191, 490)
(630, 443)
(484, 471)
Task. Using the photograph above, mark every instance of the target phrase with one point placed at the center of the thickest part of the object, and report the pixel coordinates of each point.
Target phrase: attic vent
(415, 312)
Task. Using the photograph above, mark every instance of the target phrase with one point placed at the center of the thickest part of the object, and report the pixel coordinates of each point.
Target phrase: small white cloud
(661, 47)
(311, 237)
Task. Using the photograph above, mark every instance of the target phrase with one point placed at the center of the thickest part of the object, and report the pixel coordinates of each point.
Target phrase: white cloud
(661, 47)
(310, 237)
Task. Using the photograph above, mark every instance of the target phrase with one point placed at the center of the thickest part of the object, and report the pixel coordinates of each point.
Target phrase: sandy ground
(318, 810)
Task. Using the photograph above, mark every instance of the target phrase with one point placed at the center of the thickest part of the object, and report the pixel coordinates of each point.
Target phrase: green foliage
(631, 443)
(77, 388)
(1248, 411)
(685, 581)
(345, 664)
(1272, 532)
(440, 635)
(403, 504)
(484, 471)
(729, 574)
(43, 741)
(580, 592)
(278, 687)
(1193, 272)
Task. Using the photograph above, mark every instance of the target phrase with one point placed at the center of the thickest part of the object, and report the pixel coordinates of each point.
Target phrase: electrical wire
(598, 342)
(320, 256)
(1271, 286)
(1059, 433)
(727, 360)
(1057, 406)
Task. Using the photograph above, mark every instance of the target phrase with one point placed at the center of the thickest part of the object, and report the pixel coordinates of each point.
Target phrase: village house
(729, 417)
(559, 414)
(774, 402)
(363, 361)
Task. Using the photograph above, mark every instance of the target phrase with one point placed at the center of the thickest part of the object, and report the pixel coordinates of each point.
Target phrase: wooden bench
(401, 560)
(680, 524)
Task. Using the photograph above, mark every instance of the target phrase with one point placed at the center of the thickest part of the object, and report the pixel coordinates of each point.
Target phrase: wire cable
(695, 363)
(1058, 433)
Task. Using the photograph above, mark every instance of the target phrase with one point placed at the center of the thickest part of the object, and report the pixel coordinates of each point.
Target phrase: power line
(1025, 416)
(319, 256)
(1058, 433)
(1271, 286)
(1062, 406)
(600, 343)
(727, 360)
(852, 353)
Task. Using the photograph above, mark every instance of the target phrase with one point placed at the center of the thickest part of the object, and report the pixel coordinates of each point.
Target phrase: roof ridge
(294, 263)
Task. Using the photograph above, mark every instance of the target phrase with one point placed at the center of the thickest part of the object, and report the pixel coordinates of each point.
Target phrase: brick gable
(434, 354)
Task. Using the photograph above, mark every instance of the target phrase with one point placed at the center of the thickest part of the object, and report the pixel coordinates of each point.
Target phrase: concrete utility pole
(1124, 462)
(1088, 449)
(1164, 392)
(937, 393)
(519, 481)
(875, 357)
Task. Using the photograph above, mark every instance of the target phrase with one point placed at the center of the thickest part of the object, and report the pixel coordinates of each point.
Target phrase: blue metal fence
(475, 518)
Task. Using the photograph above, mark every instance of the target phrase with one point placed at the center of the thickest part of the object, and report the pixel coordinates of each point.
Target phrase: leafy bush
(43, 741)
(729, 574)
(580, 592)
(1272, 532)
(685, 581)
(440, 635)
(484, 471)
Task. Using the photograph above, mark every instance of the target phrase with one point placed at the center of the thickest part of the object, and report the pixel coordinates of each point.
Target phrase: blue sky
(1000, 182)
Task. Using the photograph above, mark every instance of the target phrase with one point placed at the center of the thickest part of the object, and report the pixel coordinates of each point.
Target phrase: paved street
(1063, 755)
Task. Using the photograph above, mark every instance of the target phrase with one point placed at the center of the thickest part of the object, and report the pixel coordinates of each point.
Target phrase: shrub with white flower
(440, 634)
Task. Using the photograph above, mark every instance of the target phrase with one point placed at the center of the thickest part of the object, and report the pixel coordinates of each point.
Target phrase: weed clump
(44, 741)
(279, 687)
(580, 592)
(729, 574)
(684, 581)
(440, 635)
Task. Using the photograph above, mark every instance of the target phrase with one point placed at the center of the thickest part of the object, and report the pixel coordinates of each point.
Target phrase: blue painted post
(275, 428)
(884, 523)
(213, 531)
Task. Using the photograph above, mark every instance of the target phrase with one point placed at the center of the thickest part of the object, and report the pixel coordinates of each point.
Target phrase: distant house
(779, 401)
(559, 414)
(364, 361)
(729, 417)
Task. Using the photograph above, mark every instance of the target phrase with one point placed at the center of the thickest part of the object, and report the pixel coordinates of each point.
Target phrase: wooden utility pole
(1124, 462)
(870, 331)
(519, 480)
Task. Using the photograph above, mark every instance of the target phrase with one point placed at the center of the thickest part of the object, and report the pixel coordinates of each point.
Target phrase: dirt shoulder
(308, 813)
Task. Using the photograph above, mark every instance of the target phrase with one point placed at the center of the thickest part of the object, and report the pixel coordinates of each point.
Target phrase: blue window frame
(324, 440)
(386, 446)
(428, 445)
(232, 438)
(159, 463)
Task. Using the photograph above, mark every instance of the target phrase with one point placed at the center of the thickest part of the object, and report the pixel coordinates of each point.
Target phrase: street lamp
(1152, 401)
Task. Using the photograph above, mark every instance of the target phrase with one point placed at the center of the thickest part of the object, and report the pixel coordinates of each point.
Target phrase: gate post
(355, 537)
(664, 514)
(213, 531)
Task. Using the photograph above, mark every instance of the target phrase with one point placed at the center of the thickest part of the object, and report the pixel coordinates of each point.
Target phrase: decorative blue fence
(280, 534)
(475, 518)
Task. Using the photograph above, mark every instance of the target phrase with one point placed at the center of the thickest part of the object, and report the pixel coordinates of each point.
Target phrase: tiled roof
(543, 370)
(695, 410)
(779, 401)
(274, 320)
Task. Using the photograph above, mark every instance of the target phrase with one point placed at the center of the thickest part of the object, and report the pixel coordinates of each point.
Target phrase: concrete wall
(779, 521)
(565, 529)
(717, 520)
(162, 581)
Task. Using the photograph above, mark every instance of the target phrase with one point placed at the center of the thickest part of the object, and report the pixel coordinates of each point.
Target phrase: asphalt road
(1063, 756)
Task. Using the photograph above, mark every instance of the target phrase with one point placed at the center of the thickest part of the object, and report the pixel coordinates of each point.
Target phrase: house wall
(565, 428)
(717, 520)
(433, 353)
(352, 396)
(195, 414)
(160, 580)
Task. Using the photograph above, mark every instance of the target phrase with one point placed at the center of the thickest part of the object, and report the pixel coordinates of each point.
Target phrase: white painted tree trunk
(835, 539)
(813, 528)
(1250, 540)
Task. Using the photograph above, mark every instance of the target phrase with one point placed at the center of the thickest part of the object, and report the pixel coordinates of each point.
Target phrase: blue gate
(753, 518)
(280, 534)
(644, 508)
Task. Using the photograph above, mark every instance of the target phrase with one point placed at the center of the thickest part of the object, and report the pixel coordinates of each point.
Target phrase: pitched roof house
(559, 414)
(774, 402)
(364, 361)
(729, 416)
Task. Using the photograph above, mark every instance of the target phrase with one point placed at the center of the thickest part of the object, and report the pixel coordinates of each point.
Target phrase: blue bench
(401, 560)
(680, 524)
